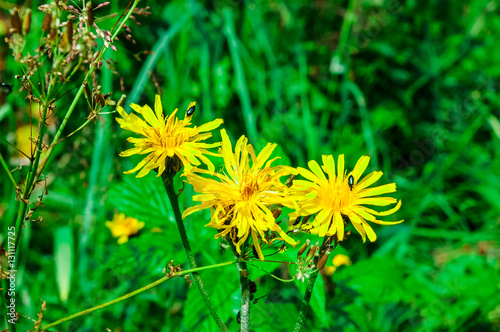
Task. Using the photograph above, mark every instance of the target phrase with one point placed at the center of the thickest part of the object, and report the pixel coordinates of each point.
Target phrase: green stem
(272, 275)
(80, 91)
(6, 167)
(21, 212)
(138, 291)
(168, 181)
(31, 180)
(32, 177)
(304, 307)
(245, 296)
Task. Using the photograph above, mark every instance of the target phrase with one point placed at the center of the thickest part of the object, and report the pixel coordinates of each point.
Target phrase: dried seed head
(100, 99)
(277, 212)
(47, 20)
(311, 253)
(90, 14)
(53, 34)
(322, 261)
(27, 21)
(69, 30)
(16, 23)
(86, 89)
(303, 248)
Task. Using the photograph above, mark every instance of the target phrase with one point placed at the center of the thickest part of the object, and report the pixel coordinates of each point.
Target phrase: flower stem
(138, 291)
(6, 167)
(80, 91)
(245, 296)
(304, 307)
(168, 181)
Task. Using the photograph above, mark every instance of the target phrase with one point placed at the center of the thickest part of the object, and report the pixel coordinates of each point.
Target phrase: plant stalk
(245, 296)
(80, 90)
(304, 307)
(6, 167)
(168, 181)
(138, 291)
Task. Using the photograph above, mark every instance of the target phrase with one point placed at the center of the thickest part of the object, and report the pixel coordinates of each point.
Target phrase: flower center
(172, 137)
(248, 188)
(337, 196)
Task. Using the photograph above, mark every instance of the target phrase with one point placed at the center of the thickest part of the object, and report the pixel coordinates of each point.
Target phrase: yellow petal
(369, 180)
(369, 231)
(380, 222)
(340, 225)
(158, 108)
(360, 229)
(209, 126)
(383, 213)
(340, 170)
(309, 175)
(313, 165)
(376, 191)
(360, 168)
(329, 167)
(256, 245)
(377, 201)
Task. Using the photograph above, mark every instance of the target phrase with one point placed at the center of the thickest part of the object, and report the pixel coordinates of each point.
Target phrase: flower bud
(277, 212)
(303, 248)
(86, 89)
(322, 261)
(311, 253)
(47, 20)
(90, 14)
(16, 23)
(69, 31)
(27, 21)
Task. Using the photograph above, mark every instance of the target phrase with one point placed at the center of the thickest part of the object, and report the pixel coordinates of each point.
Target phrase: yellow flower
(166, 138)
(240, 201)
(337, 261)
(340, 260)
(122, 227)
(24, 143)
(335, 201)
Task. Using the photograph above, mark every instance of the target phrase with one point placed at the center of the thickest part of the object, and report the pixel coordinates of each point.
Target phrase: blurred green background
(413, 84)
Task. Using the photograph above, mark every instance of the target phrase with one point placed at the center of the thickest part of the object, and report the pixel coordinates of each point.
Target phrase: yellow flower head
(23, 140)
(337, 261)
(122, 227)
(241, 199)
(340, 198)
(340, 260)
(166, 138)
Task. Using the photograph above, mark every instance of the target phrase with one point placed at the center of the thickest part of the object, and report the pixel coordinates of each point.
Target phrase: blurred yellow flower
(122, 227)
(340, 198)
(23, 141)
(341, 259)
(166, 138)
(337, 261)
(241, 199)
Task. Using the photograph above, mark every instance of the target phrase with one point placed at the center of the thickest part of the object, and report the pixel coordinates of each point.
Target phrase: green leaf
(63, 252)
